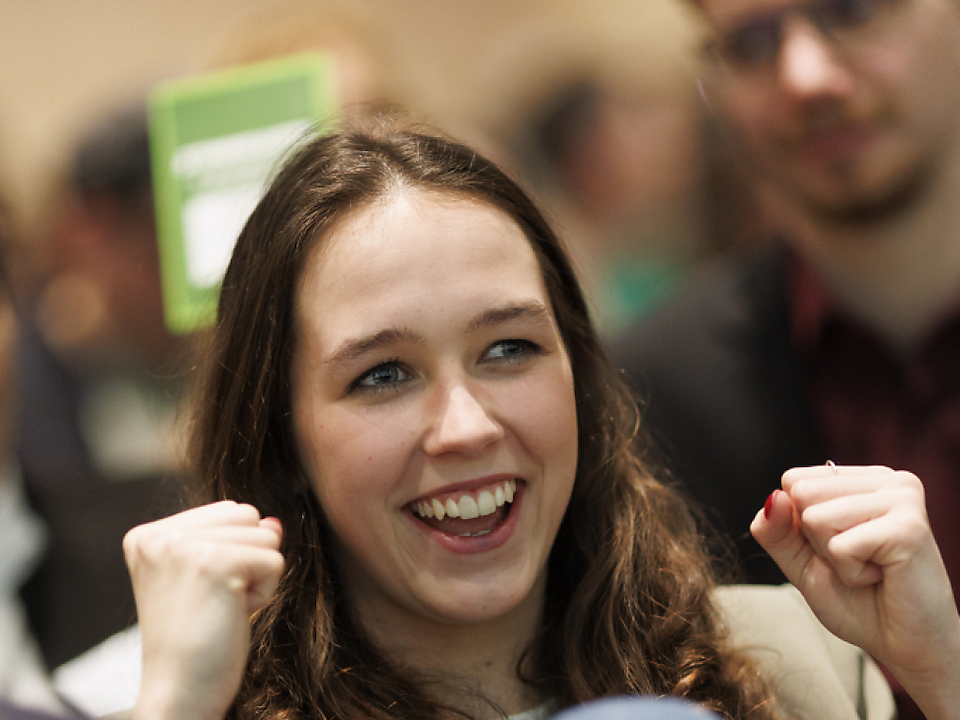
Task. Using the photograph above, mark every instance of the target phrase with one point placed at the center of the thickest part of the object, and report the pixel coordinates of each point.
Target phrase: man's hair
(628, 599)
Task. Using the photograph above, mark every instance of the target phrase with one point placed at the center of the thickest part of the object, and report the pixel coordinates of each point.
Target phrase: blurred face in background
(101, 303)
(847, 107)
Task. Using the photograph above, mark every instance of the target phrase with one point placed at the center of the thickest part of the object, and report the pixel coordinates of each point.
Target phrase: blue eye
(382, 378)
(512, 350)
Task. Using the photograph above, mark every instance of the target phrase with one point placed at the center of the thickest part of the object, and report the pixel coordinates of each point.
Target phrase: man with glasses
(841, 339)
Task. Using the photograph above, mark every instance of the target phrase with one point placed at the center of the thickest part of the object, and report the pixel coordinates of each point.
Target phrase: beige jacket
(816, 675)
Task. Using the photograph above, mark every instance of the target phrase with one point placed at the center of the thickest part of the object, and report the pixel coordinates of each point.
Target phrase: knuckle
(206, 559)
(162, 545)
(241, 513)
(909, 480)
(131, 544)
(248, 513)
(914, 527)
(141, 541)
(813, 518)
(803, 493)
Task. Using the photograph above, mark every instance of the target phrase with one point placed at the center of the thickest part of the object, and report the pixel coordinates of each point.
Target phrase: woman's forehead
(417, 241)
(389, 216)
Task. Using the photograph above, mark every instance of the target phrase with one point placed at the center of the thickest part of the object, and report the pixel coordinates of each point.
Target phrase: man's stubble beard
(860, 211)
(858, 203)
(856, 206)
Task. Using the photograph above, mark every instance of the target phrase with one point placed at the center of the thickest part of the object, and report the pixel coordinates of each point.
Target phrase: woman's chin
(483, 601)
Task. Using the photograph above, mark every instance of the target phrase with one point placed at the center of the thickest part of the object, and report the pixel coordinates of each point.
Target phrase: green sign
(216, 143)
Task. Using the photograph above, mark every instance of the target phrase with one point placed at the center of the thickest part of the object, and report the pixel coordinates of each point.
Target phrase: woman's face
(430, 381)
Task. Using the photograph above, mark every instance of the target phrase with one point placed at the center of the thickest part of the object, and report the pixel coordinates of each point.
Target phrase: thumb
(776, 527)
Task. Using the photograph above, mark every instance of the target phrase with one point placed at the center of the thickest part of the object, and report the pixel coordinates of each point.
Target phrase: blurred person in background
(600, 114)
(25, 687)
(649, 193)
(842, 339)
(97, 386)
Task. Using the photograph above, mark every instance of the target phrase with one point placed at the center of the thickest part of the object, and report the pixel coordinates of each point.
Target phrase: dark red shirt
(870, 406)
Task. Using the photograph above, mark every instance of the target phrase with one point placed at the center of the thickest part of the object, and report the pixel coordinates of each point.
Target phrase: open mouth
(468, 514)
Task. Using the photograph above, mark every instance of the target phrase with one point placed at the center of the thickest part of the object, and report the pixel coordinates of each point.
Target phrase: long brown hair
(628, 601)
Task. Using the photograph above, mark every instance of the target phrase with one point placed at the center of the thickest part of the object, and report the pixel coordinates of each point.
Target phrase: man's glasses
(755, 43)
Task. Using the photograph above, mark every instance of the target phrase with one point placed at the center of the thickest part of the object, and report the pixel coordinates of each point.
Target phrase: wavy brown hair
(628, 600)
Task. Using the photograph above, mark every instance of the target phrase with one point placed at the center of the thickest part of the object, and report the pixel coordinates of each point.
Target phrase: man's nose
(462, 423)
(809, 64)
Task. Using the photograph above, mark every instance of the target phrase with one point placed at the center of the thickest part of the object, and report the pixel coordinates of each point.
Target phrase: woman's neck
(475, 665)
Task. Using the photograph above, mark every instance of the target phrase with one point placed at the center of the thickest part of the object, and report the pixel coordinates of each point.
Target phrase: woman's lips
(471, 513)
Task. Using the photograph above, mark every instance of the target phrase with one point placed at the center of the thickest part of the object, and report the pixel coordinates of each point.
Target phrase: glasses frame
(753, 45)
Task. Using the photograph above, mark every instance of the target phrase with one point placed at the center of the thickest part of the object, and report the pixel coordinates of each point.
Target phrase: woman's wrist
(936, 689)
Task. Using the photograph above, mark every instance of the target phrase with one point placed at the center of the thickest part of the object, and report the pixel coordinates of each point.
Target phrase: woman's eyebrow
(354, 348)
(350, 350)
(533, 311)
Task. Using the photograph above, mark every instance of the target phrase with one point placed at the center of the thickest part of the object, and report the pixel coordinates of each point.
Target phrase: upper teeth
(468, 508)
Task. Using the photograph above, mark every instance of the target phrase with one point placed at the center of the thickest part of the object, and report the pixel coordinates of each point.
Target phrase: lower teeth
(476, 534)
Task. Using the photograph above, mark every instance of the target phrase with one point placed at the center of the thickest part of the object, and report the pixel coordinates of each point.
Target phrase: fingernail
(768, 505)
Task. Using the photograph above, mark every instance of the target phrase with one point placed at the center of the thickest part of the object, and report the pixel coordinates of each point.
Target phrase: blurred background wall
(63, 63)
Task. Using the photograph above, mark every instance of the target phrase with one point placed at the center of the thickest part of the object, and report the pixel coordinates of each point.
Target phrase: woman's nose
(462, 424)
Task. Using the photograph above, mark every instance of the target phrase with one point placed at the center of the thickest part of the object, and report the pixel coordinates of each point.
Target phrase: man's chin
(851, 205)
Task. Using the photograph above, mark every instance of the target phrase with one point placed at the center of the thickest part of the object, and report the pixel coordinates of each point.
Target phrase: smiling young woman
(399, 324)
(430, 497)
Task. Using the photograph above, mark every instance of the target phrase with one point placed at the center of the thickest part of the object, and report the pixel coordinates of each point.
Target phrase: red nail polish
(768, 505)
